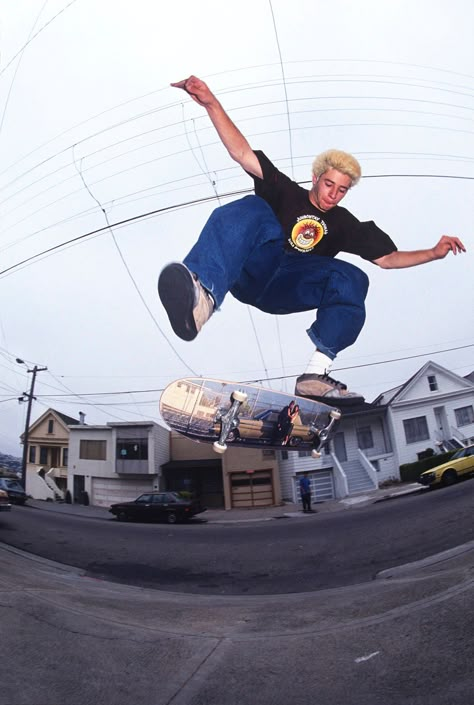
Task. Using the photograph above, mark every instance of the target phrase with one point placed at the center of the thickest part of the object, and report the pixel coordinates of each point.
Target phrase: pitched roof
(68, 420)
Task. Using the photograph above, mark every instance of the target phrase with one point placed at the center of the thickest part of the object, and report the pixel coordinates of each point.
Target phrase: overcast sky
(91, 134)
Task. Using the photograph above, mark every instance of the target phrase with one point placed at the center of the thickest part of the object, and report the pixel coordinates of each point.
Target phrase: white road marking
(366, 658)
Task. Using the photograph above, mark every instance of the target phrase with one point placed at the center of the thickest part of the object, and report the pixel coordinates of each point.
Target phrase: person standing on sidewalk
(305, 491)
(277, 251)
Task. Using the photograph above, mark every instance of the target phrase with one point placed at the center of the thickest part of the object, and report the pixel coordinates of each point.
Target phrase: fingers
(192, 80)
(454, 244)
(446, 244)
(459, 245)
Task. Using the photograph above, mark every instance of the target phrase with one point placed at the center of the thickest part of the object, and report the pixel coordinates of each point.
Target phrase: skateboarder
(276, 251)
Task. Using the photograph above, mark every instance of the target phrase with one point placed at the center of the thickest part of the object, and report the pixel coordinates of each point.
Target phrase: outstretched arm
(399, 260)
(231, 137)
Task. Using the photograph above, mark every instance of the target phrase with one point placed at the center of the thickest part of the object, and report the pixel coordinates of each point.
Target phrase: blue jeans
(241, 250)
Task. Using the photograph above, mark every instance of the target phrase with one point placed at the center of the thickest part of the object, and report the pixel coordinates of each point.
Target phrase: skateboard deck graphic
(245, 415)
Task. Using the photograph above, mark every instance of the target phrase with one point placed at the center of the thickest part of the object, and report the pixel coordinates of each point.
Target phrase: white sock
(319, 364)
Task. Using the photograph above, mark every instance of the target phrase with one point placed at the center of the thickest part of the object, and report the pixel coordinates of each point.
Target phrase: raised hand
(448, 244)
(197, 89)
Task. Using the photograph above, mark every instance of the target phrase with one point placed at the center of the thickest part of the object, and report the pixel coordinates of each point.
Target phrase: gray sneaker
(325, 388)
(186, 302)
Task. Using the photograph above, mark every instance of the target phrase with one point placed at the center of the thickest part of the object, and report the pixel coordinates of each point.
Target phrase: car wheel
(294, 441)
(122, 516)
(449, 478)
(172, 518)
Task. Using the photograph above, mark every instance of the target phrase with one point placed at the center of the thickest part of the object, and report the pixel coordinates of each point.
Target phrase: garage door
(107, 491)
(252, 489)
(322, 485)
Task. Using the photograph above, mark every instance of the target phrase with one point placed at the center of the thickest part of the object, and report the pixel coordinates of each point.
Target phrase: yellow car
(461, 464)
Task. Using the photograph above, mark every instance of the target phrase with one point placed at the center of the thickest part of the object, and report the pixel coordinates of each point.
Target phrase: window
(136, 449)
(50, 426)
(416, 429)
(304, 453)
(432, 383)
(65, 457)
(92, 450)
(464, 416)
(267, 453)
(145, 499)
(43, 455)
(284, 455)
(364, 437)
(32, 455)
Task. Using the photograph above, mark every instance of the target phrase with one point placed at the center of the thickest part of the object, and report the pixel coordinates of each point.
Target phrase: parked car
(157, 506)
(5, 505)
(461, 464)
(15, 491)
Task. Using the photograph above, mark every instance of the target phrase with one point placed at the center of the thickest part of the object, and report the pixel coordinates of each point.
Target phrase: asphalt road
(268, 558)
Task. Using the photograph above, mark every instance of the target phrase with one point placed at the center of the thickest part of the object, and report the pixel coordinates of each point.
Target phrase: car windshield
(10, 483)
(460, 453)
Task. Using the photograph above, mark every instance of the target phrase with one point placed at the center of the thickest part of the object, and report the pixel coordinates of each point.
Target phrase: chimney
(82, 417)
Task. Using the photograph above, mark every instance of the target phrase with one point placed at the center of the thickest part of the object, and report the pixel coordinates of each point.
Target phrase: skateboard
(245, 415)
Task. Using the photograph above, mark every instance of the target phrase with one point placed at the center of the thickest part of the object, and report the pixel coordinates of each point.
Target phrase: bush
(410, 472)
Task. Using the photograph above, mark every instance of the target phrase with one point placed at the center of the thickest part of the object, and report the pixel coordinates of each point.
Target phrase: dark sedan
(157, 506)
(16, 493)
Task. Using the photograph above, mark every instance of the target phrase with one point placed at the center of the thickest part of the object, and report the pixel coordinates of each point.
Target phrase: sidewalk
(288, 510)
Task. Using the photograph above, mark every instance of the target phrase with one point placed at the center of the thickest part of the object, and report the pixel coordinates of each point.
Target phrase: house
(119, 461)
(240, 478)
(429, 413)
(47, 455)
(116, 462)
(432, 410)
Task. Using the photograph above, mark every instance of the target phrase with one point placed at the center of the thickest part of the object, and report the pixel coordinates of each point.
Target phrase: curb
(435, 559)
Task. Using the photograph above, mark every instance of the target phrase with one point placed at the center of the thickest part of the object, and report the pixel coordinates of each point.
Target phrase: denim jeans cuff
(320, 346)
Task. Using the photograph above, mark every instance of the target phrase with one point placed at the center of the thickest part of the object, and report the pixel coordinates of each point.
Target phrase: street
(268, 558)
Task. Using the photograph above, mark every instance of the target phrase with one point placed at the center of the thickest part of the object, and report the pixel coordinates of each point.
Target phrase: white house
(432, 411)
(116, 462)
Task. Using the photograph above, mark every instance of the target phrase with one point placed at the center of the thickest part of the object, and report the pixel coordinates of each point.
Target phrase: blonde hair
(336, 159)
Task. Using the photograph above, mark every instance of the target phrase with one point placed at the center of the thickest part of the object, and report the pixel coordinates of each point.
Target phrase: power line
(128, 270)
(31, 39)
(197, 201)
(269, 379)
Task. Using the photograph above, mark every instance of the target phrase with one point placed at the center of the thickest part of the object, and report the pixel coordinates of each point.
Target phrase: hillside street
(403, 637)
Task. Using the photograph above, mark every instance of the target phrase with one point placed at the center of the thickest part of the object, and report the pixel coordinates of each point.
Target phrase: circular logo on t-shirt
(307, 232)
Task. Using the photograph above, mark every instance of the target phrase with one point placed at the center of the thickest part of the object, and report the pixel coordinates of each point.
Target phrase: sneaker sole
(176, 291)
(337, 402)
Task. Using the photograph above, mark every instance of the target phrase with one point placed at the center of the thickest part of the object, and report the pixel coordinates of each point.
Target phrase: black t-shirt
(309, 230)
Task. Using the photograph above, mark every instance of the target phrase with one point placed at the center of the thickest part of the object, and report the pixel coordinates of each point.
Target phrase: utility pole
(27, 396)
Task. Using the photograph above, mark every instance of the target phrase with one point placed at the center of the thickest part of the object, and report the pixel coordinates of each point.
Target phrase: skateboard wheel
(315, 453)
(219, 447)
(237, 395)
(335, 414)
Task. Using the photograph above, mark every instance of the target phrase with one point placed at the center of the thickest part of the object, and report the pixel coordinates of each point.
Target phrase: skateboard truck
(322, 435)
(229, 420)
